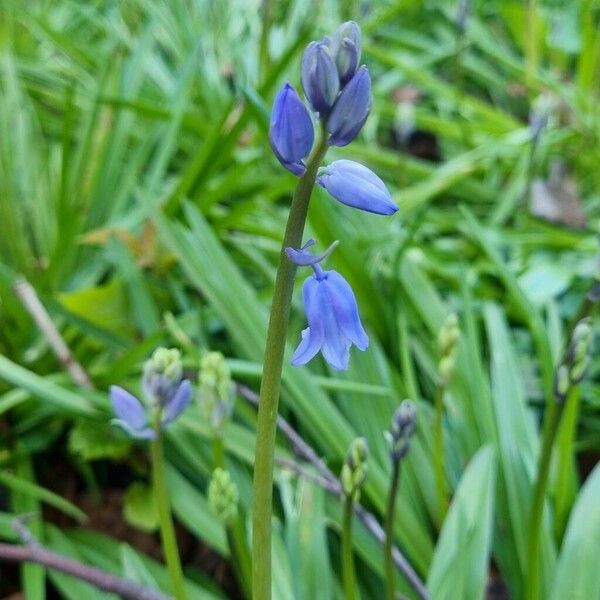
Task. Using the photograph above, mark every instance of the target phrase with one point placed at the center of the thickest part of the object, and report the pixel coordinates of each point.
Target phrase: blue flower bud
(320, 80)
(354, 185)
(345, 49)
(351, 109)
(291, 132)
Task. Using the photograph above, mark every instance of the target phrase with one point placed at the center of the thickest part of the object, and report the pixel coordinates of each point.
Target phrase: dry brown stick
(96, 577)
(28, 296)
(332, 484)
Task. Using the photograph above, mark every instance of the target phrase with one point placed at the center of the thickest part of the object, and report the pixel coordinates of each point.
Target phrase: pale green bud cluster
(216, 389)
(575, 361)
(401, 430)
(223, 496)
(447, 342)
(354, 469)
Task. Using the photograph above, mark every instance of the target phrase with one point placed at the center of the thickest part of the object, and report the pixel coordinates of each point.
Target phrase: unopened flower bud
(351, 109)
(320, 80)
(223, 496)
(216, 392)
(581, 342)
(345, 47)
(401, 430)
(291, 131)
(447, 342)
(354, 469)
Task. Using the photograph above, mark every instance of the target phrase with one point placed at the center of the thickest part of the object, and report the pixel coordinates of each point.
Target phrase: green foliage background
(140, 198)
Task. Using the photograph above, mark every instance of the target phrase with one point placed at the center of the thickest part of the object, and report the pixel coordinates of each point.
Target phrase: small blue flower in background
(354, 185)
(291, 133)
(164, 390)
(332, 313)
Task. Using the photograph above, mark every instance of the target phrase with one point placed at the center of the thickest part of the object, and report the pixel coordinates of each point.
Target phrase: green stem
(271, 379)
(531, 41)
(532, 577)
(389, 532)
(348, 575)
(438, 454)
(263, 51)
(218, 452)
(239, 555)
(167, 531)
(566, 473)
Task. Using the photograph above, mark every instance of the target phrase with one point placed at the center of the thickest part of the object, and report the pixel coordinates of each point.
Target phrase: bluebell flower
(320, 79)
(164, 391)
(291, 131)
(351, 109)
(345, 46)
(355, 185)
(332, 313)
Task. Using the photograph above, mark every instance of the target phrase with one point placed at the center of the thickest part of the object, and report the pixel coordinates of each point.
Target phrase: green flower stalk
(223, 499)
(398, 438)
(447, 342)
(353, 475)
(568, 375)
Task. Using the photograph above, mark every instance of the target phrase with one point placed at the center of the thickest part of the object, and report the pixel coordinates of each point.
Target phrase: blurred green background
(140, 198)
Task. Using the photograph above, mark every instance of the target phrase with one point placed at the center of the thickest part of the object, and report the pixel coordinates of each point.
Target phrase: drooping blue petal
(127, 408)
(312, 336)
(346, 310)
(308, 347)
(320, 80)
(351, 109)
(355, 185)
(304, 258)
(178, 402)
(291, 131)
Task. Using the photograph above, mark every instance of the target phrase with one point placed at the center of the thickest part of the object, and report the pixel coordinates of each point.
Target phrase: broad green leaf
(460, 564)
(577, 576)
(140, 508)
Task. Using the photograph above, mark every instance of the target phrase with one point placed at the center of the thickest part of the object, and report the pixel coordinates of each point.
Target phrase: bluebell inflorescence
(338, 90)
(332, 313)
(164, 390)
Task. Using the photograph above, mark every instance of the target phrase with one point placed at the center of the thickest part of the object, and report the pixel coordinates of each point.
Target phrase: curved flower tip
(178, 402)
(355, 185)
(333, 321)
(130, 412)
(291, 131)
(351, 109)
(304, 258)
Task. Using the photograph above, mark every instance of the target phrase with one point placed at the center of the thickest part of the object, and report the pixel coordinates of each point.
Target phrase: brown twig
(331, 484)
(28, 296)
(96, 577)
